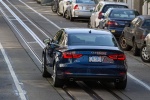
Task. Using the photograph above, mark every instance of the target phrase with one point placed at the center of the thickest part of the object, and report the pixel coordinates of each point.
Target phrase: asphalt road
(23, 26)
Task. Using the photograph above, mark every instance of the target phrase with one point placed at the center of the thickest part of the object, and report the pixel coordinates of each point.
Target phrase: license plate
(113, 31)
(95, 59)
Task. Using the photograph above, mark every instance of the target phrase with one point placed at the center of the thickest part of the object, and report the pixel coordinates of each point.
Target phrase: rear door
(129, 31)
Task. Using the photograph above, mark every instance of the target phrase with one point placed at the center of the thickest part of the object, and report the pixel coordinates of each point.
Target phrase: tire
(121, 85)
(58, 13)
(89, 24)
(44, 69)
(71, 18)
(123, 44)
(66, 15)
(144, 55)
(56, 81)
(53, 9)
(136, 51)
(38, 2)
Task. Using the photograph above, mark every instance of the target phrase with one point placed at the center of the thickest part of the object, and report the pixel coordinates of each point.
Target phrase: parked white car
(63, 4)
(100, 9)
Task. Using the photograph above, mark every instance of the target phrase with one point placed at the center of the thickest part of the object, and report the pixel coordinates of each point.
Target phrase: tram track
(83, 86)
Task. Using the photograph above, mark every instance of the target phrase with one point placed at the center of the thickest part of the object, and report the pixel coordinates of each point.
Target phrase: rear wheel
(122, 84)
(54, 8)
(56, 81)
(58, 12)
(123, 44)
(144, 55)
(38, 2)
(71, 18)
(44, 69)
(89, 24)
(136, 51)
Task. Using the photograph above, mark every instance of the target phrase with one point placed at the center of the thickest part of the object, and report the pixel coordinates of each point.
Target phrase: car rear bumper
(74, 77)
(82, 14)
(116, 32)
(91, 74)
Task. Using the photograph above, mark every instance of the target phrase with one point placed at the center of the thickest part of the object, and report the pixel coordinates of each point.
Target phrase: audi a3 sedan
(80, 54)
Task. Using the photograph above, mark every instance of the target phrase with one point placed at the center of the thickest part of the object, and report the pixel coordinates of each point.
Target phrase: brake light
(76, 7)
(110, 23)
(117, 56)
(100, 15)
(68, 55)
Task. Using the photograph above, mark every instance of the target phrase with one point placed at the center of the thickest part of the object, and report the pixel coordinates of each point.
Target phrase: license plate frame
(95, 59)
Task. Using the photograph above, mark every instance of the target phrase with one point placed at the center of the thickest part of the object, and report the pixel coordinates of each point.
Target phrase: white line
(29, 20)
(19, 33)
(16, 81)
(139, 81)
(41, 15)
(25, 26)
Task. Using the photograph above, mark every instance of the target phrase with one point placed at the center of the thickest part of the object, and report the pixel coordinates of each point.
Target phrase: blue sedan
(82, 54)
(115, 19)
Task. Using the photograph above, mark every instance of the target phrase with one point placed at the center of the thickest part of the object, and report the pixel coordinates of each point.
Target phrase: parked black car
(133, 36)
(115, 19)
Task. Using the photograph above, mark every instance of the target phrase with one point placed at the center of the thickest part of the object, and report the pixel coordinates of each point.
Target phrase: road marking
(29, 20)
(25, 26)
(16, 81)
(139, 81)
(41, 15)
(21, 36)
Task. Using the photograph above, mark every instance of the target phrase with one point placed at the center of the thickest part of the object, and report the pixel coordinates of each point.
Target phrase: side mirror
(54, 45)
(47, 41)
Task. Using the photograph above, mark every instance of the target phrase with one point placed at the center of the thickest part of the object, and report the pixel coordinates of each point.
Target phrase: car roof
(86, 31)
(144, 16)
(122, 9)
(109, 2)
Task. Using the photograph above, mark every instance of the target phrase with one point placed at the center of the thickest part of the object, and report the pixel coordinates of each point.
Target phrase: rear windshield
(113, 6)
(91, 40)
(85, 1)
(123, 14)
(146, 23)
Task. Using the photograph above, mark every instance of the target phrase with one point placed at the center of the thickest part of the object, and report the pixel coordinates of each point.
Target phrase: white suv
(100, 9)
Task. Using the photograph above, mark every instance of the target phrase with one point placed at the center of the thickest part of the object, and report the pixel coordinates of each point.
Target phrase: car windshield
(123, 14)
(146, 23)
(92, 40)
(85, 1)
(113, 6)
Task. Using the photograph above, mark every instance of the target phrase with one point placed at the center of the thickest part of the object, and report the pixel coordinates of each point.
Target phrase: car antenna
(90, 31)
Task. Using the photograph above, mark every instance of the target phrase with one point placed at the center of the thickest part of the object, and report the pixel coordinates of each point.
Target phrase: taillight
(100, 15)
(76, 7)
(68, 55)
(111, 23)
(117, 56)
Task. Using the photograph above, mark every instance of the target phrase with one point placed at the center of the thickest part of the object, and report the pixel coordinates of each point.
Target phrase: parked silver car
(80, 9)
